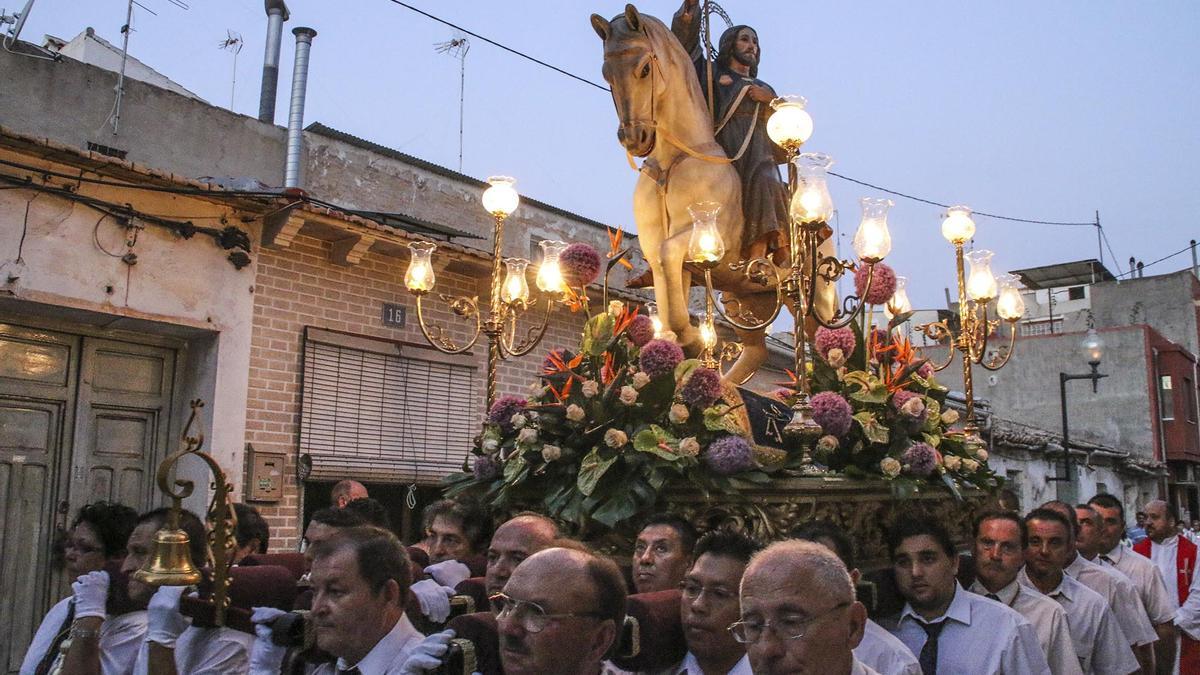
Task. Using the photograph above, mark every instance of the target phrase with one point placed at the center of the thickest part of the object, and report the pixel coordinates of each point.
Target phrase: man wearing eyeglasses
(559, 613)
(709, 604)
(950, 629)
(798, 612)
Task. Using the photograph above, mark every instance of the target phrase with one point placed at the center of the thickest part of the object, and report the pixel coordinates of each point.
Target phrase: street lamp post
(1093, 349)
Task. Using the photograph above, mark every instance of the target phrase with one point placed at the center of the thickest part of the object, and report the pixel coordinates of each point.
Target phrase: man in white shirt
(1160, 606)
(360, 578)
(1000, 542)
(950, 629)
(175, 647)
(798, 612)
(1175, 557)
(879, 649)
(1095, 633)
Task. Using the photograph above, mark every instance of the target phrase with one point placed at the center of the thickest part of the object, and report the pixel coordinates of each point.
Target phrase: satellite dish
(15, 31)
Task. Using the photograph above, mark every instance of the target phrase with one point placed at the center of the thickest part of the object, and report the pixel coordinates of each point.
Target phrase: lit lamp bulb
(501, 198)
(957, 227)
(419, 277)
(812, 202)
(655, 319)
(516, 289)
(790, 126)
(899, 303)
(1009, 305)
(873, 242)
(981, 285)
(1093, 347)
(708, 333)
(549, 276)
(705, 245)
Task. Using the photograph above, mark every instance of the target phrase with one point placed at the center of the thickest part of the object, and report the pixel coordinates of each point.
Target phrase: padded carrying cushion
(653, 635)
(294, 562)
(480, 630)
(250, 587)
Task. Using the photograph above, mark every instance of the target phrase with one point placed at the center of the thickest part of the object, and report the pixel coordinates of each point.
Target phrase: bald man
(518, 538)
(346, 491)
(1175, 558)
(799, 613)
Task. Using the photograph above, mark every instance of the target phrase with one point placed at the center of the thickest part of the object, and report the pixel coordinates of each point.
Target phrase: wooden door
(38, 376)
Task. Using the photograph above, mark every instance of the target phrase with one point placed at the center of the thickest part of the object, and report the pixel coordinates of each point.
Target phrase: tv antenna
(458, 48)
(17, 21)
(232, 43)
(114, 117)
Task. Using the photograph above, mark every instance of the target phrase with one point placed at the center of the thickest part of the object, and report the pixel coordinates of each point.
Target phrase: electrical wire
(1165, 257)
(1116, 260)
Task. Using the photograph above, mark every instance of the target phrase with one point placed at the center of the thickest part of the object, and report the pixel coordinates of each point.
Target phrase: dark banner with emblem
(767, 416)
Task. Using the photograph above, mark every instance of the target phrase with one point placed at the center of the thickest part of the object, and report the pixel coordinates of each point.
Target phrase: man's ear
(604, 641)
(391, 593)
(858, 623)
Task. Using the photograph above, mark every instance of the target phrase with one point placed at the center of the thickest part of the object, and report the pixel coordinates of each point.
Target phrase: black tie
(993, 596)
(929, 653)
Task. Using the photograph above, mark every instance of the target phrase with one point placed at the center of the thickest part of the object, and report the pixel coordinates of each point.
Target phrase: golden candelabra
(171, 564)
(507, 299)
(807, 283)
(976, 289)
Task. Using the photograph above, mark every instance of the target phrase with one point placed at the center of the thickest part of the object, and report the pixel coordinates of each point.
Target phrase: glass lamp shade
(812, 203)
(957, 226)
(515, 289)
(501, 198)
(790, 126)
(873, 242)
(899, 303)
(549, 276)
(1093, 347)
(1009, 304)
(655, 319)
(708, 333)
(419, 278)
(981, 284)
(705, 245)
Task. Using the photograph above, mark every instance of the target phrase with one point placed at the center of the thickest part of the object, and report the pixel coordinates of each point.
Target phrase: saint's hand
(760, 94)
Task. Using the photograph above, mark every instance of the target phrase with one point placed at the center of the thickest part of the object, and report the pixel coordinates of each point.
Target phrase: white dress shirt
(1118, 591)
(205, 651)
(388, 655)
(1049, 619)
(1097, 638)
(885, 653)
(981, 637)
(690, 666)
(1165, 557)
(860, 668)
(120, 637)
(1152, 590)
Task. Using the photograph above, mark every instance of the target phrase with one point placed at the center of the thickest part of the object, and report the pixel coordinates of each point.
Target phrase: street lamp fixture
(1093, 351)
(509, 292)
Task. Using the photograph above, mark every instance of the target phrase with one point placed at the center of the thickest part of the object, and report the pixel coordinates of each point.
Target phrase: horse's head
(632, 71)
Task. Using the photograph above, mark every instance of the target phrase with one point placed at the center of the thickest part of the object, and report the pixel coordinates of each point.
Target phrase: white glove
(449, 573)
(266, 657)
(427, 655)
(434, 599)
(164, 623)
(91, 594)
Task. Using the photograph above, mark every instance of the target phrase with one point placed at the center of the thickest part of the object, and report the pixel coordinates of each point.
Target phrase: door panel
(37, 374)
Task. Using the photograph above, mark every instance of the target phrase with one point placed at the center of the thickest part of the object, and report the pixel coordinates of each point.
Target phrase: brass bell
(170, 564)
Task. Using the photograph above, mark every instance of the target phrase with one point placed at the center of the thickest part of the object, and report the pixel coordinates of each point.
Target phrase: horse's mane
(670, 52)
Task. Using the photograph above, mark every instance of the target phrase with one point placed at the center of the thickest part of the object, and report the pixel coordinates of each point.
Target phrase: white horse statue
(664, 118)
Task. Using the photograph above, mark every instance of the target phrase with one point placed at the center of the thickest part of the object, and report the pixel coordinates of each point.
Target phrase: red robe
(1185, 568)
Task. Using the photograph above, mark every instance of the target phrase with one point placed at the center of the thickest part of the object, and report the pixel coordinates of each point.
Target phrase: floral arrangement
(607, 427)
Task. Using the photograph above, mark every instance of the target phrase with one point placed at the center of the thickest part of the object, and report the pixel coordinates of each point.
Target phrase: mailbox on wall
(266, 475)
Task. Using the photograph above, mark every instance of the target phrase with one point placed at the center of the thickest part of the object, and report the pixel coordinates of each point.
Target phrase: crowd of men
(1056, 590)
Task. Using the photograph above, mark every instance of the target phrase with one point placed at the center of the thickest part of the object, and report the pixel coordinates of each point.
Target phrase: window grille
(378, 411)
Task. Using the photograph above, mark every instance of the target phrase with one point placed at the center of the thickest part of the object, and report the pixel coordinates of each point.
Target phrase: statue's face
(745, 48)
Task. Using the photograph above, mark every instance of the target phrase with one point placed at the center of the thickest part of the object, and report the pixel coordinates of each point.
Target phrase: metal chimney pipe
(277, 13)
(1195, 266)
(295, 134)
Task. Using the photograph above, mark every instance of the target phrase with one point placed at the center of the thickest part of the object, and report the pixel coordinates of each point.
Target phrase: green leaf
(685, 368)
(591, 470)
(953, 486)
(717, 418)
(933, 440)
(933, 415)
(898, 320)
(873, 430)
(877, 393)
(515, 469)
(596, 334)
(648, 440)
(619, 508)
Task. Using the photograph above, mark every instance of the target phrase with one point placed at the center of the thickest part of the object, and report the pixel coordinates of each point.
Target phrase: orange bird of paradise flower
(614, 246)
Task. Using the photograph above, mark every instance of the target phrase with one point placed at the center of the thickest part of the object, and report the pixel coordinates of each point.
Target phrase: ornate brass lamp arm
(532, 336)
(831, 269)
(779, 303)
(436, 335)
(937, 331)
(998, 362)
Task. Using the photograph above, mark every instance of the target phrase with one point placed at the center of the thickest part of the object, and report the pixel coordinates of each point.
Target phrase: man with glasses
(798, 612)
(949, 629)
(559, 613)
(709, 604)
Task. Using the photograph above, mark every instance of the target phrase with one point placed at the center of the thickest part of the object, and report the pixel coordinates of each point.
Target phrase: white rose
(575, 413)
(689, 446)
(668, 335)
(890, 466)
(970, 465)
(590, 388)
(527, 436)
(640, 380)
(535, 389)
(678, 414)
(913, 407)
(835, 357)
(551, 452)
(981, 454)
(490, 445)
(949, 417)
(615, 307)
(615, 438)
(518, 421)
(827, 443)
(628, 395)
(952, 462)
